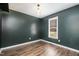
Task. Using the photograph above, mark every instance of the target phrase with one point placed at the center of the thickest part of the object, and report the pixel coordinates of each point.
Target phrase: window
(53, 27)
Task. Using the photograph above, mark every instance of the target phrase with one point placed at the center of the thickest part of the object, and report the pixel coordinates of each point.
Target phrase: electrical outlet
(29, 38)
(58, 40)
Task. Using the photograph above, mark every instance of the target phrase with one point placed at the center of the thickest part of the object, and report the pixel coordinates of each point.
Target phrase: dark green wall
(68, 27)
(16, 28)
(4, 6)
(0, 28)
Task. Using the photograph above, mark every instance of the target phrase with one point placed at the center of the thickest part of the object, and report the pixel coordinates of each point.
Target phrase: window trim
(56, 17)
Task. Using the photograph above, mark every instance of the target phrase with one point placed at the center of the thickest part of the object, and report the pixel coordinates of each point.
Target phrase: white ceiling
(45, 8)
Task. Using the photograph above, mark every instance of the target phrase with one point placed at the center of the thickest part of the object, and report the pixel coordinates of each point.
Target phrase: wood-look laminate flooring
(39, 49)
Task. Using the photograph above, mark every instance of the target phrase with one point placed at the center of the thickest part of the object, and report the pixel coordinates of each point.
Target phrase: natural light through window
(53, 27)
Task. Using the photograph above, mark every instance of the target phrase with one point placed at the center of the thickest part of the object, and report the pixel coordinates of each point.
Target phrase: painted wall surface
(0, 28)
(4, 6)
(16, 28)
(68, 27)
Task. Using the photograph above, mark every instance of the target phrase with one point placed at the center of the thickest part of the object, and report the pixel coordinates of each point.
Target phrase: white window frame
(56, 27)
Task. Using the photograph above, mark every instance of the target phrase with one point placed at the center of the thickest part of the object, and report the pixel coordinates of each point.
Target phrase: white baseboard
(61, 46)
(18, 45)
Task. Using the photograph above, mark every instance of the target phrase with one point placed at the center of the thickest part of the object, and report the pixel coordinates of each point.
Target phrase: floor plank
(39, 49)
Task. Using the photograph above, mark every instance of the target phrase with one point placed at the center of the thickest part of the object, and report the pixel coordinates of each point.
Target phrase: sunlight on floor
(50, 51)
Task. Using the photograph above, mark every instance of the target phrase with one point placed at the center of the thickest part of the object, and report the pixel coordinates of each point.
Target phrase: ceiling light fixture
(38, 9)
